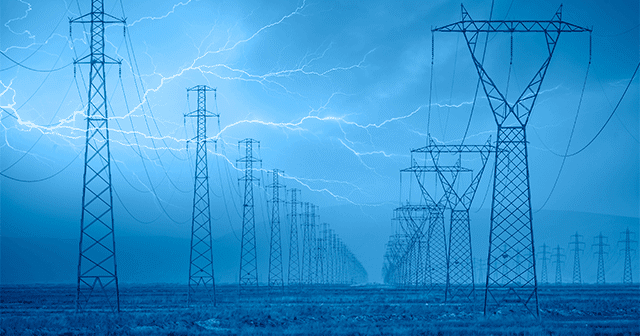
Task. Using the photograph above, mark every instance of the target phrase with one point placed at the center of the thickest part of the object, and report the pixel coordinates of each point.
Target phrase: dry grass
(160, 310)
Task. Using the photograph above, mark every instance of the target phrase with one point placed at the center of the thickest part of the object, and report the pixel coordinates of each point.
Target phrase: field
(364, 310)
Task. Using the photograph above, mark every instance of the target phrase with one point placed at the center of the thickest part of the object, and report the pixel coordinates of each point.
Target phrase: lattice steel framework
(201, 277)
(601, 244)
(411, 251)
(276, 276)
(436, 261)
(511, 216)
(578, 246)
(558, 261)
(545, 257)
(321, 254)
(627, 277)
(294, 271)
(306, 244)
(460, 279)
(248, 253)
(313, 245)
(97, 270)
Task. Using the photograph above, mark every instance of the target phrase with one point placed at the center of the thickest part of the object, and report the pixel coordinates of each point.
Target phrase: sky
(337, 93)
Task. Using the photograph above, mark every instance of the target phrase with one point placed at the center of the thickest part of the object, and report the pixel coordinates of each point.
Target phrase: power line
(44, 178)
(32, 69)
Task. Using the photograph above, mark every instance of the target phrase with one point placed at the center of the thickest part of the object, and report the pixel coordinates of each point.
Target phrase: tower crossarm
(471, 29)
(511, 26)
(201, 110)
(483, 149)
(435, 169)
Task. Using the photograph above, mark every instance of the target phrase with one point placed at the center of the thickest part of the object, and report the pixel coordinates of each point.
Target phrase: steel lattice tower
(545, 257)
(248, 253)
(460, 280)
(511, 216)
(322, 253)
(627, 277)
(601, 252)
(294, 255)
(306, 244)
(411, 248)
(436, 260)
(313, 249)
(578, 247)
(201, 277)
(558, 261)
(275, 245)
(97, 270)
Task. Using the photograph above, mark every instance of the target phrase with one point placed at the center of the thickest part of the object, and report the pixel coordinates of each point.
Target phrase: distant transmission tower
(201, 277)
(460, 280)
(97, 271)
(627, 278)
(601, 244)
(248, 253)
(511, 217)
(306, 244)
(578, 246)
(275, 245)
(313, 248)
(294, 255)
(558, 261)
(545, 257)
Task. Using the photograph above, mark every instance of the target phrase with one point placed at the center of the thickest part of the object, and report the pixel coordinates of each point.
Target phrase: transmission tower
(558, 261)
(201, 277)
(313, 248)
(578, 246)
(511, 217)
(545, 257)
(294, 255)
(306, 244)
(322, 253)
(601, 244)
(97, 270)
(436, 260)
(627, 278)
(460, 280)
(248, 254)
(275, 245)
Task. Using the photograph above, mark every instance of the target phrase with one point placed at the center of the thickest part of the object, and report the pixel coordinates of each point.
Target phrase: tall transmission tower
(545, 257)
(97, 269)
(276, 278)
(201, 277)
(294, 275)
(601, 244)
(627, 277)
(248, 253)
(511, 216)
(558, 261)
(578, 246)
(460, 280)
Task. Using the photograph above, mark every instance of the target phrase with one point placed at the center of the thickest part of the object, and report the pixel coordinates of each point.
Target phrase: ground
(161, 309)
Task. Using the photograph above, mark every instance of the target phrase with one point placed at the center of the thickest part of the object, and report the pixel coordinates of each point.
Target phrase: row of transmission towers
(419, 253)
(325, 257)
(511, 269)
(577, 245)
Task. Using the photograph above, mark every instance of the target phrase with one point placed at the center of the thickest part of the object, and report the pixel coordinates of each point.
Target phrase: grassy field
(367, 310)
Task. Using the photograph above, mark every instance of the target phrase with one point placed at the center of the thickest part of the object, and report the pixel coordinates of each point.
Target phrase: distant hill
(145, 258)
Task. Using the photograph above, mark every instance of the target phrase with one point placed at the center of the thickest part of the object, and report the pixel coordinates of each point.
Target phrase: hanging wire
(573, 128)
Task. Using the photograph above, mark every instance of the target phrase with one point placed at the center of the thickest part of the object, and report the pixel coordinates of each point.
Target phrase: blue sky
(337, 92)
